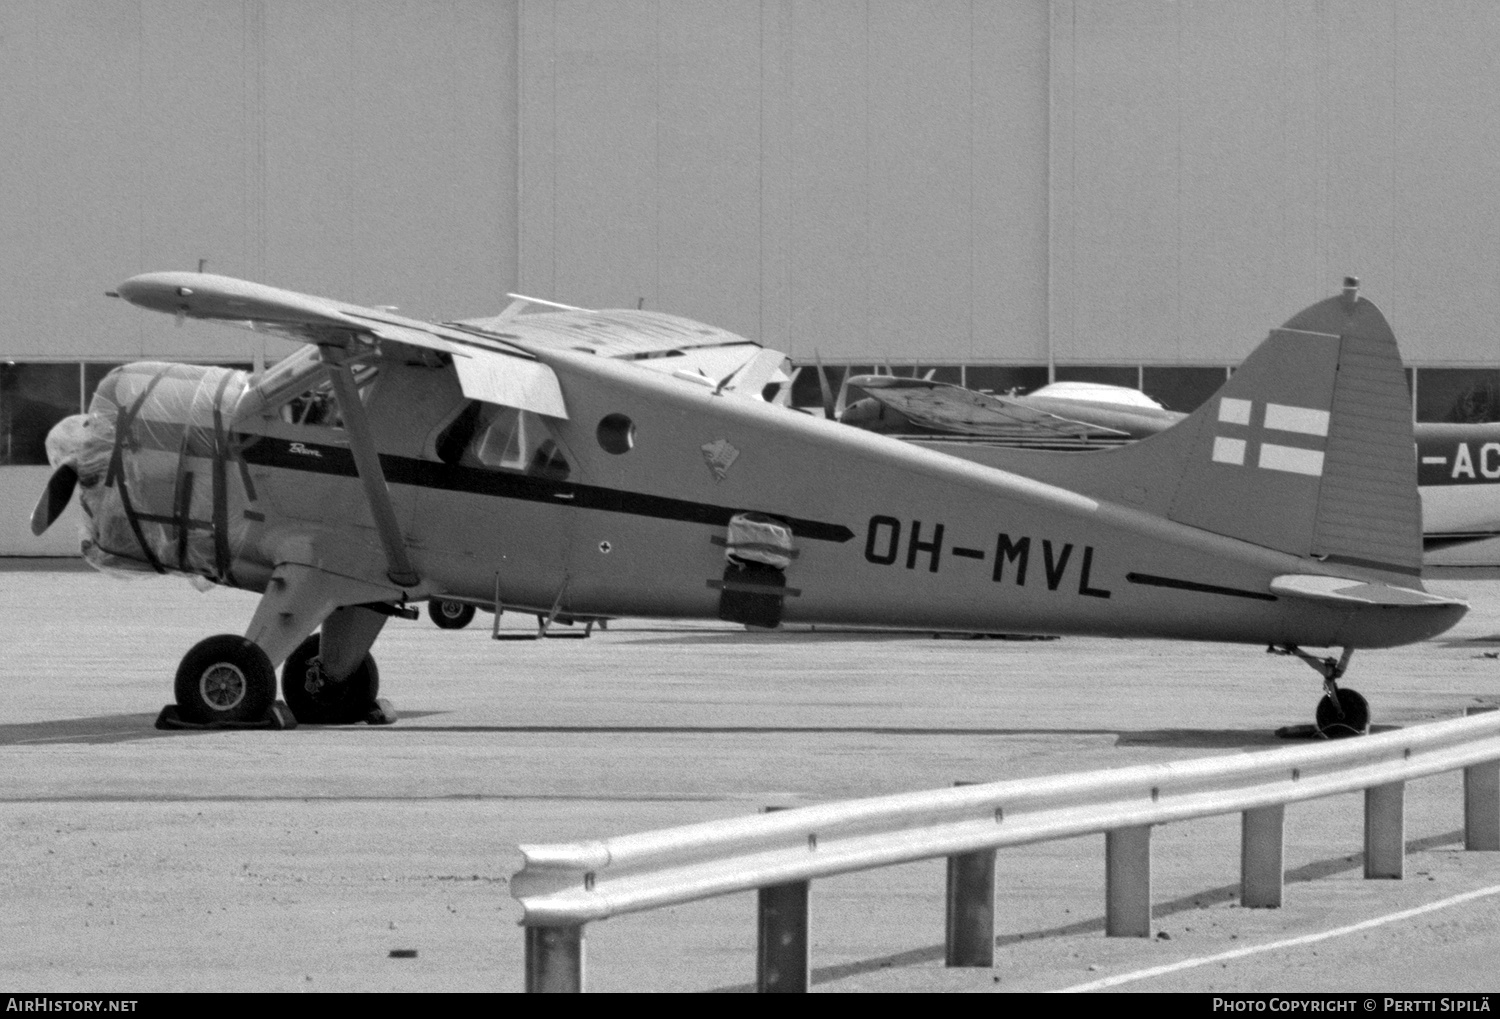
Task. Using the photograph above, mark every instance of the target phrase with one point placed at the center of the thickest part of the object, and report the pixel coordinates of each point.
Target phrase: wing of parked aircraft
(1066, 415)
(489, 368)
(495, 357)
(665, 343)
(942, 407)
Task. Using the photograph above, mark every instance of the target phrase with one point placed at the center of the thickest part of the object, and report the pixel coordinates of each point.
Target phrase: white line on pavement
(1306, 939)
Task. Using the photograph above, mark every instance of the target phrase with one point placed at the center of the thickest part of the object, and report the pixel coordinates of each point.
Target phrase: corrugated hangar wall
(1139, 182)
(1214, 166)
(864, 179)
(1147, 182)
(361, 150)
(1132, 182)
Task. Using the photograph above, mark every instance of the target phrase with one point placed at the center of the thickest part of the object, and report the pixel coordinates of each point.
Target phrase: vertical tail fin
(1308, 448)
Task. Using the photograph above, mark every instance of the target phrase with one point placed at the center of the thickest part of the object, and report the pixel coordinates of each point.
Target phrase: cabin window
(502, 438)
(616, 434)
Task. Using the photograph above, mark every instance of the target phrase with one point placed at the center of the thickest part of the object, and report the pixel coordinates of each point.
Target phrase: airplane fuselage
(885, 533)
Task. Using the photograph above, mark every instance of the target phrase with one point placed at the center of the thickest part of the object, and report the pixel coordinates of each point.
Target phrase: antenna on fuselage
(201, 263)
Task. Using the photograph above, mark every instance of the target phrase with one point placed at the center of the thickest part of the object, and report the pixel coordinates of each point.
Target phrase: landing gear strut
(1341, 712)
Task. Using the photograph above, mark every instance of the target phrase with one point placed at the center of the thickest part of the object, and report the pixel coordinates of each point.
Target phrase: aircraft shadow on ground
(736, 730)
(1197, 900)
(779, 637)
(101, 729)
(1221, 739)
(1216, 739)
(124, 728)
(831, 634)
(117, 729)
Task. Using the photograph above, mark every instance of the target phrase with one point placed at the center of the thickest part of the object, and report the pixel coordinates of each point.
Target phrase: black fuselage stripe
(1192, 585)
(401, 470)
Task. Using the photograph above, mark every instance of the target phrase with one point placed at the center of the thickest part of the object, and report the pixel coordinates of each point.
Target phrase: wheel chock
(382, 712)
(277, 716)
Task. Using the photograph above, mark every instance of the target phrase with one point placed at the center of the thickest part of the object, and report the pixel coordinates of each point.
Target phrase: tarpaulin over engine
(160, 485)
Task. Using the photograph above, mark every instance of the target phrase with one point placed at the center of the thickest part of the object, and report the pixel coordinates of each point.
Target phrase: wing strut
(367, 462)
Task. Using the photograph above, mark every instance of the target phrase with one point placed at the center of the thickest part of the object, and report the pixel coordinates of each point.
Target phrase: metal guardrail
(563, 887)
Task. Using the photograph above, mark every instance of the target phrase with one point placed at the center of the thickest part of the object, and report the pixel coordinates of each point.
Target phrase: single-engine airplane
(1458, 465)
(557, 460)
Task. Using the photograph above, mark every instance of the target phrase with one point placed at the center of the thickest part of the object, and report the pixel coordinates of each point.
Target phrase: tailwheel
(1341, 712)
(450, 615)
(1348, 716)
(225, 679)
(318, 700)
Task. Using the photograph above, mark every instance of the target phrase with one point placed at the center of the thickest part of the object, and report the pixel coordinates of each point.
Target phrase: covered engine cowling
(159, 486)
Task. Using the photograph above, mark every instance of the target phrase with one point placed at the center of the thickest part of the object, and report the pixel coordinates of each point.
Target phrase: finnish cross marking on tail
(1275, 456)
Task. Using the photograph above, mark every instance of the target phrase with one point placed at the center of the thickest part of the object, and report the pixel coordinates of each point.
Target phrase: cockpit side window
(502, 438)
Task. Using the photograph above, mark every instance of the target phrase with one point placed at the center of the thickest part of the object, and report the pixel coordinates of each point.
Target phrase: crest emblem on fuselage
(719, 456)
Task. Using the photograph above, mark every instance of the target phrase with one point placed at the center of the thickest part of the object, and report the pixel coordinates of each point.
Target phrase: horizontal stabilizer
(1356, 592)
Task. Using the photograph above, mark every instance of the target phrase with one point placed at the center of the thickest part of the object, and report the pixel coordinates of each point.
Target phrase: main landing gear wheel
(317, 700)
(1350, 717)
(450, 615)
(225, 679)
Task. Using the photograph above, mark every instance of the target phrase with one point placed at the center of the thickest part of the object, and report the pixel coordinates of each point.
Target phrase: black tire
(450, 615)
(225, 679)
(331, 703)
(1355, 720)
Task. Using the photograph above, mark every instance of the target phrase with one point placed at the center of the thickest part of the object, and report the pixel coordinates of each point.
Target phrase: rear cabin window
(502, 438)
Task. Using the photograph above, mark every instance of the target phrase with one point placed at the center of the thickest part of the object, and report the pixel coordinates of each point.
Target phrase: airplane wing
(664, 343)
(944, 407)
(495, 357)
(489, 368)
